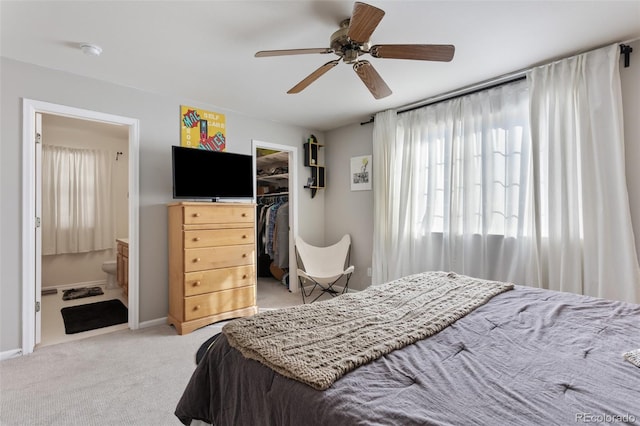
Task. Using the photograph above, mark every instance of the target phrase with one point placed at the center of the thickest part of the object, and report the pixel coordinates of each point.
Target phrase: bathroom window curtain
(77, 212)
(456, 189)
(585, 234)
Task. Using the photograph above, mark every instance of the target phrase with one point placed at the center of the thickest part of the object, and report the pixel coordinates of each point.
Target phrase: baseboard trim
(153, 323)
(62, 287)
(14, 353)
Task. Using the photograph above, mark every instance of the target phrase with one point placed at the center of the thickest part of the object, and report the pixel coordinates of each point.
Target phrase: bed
(522, 356)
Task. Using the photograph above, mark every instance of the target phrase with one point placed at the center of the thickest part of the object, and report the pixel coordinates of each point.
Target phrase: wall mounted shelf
(317, 179)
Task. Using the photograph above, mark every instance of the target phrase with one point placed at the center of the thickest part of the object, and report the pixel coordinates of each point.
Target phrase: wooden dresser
(212, 272)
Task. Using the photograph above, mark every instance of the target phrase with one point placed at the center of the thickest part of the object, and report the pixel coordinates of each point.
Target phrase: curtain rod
(625, 50)
(468, 90)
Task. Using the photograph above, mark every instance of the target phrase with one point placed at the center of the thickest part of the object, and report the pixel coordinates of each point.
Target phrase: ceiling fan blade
(421, 52)
(264, 53)
(372, 79)
(313, 77)
(364, 20)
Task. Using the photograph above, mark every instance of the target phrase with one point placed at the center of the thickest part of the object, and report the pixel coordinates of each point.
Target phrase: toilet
(110, 268)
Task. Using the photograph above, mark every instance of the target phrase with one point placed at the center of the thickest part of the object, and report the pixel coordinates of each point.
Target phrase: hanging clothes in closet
(273, 236)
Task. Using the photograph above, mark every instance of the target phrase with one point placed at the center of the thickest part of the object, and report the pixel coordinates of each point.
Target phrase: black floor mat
(94, 315)
(77, 293)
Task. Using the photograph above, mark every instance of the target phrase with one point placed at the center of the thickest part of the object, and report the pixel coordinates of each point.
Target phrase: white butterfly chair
(323, 266)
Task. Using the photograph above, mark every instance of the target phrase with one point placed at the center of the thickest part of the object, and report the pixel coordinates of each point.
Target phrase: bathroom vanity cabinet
(212, 271)
(122, 266)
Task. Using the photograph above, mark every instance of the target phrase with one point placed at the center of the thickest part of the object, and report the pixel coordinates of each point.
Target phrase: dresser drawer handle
(244, 237)
(196, 284)
(196, 215)
(196, 239)
(244, 277)
(197, 259)
(244, 215)
(195, 308)
(244, 254)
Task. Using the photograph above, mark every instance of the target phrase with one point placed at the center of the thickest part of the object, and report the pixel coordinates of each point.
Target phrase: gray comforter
(527, 357)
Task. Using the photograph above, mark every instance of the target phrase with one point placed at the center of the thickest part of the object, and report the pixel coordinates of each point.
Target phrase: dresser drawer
(200, 259)
(220, 301)
(218, 279)
(219, 214)
(218, 237)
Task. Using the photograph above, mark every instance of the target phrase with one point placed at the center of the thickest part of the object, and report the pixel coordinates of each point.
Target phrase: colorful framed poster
(361, 173)
(202, 129)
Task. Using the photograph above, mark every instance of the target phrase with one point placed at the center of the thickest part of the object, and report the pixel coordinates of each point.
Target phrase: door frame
(293, 201)
(31, 242)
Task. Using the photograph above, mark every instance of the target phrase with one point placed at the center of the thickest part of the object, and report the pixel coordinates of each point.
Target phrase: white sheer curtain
(385, 212)
(456, 189)
(77, 212)
(585, 232)
(462, 186)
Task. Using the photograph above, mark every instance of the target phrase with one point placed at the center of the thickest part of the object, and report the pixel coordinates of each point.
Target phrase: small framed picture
(361, 173)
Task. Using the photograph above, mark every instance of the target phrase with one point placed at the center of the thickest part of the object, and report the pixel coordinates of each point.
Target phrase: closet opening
(275, 219)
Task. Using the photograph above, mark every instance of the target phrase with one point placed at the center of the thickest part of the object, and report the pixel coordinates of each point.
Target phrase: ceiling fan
(352, 40)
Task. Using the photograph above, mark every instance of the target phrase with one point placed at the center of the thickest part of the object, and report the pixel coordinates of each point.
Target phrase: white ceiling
(202, 51)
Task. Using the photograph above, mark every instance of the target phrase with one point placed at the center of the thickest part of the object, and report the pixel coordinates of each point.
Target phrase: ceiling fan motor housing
(344, 47)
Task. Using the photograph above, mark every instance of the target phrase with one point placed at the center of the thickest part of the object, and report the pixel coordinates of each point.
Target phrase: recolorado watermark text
(605, 418)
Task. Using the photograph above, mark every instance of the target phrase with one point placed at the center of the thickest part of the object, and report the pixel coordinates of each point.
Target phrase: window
(475, 159)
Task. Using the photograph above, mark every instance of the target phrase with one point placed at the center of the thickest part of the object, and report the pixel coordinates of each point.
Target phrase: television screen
(199, 173)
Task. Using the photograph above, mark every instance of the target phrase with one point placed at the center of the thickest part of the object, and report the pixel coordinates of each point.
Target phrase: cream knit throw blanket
(318, 343)
(633, 357)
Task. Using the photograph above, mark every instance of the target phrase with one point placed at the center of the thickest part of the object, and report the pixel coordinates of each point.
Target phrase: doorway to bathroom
(84, 224)
(52, 270)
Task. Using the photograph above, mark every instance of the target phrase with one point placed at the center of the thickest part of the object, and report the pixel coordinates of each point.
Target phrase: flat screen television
(200, 173)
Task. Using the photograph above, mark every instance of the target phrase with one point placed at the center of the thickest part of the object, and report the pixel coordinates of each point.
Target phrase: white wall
(349, 211)
(159, 129)
(353, 211)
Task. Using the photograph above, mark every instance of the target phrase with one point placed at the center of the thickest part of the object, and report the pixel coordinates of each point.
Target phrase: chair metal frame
(321, 269)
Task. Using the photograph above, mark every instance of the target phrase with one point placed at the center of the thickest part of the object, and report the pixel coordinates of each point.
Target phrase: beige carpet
(121, 378)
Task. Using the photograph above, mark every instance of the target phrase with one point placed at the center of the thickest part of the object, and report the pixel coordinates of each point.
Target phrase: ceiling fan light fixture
(91, 49)
(350, 55)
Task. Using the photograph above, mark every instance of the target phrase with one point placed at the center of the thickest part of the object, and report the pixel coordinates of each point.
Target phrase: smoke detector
(91, 49)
